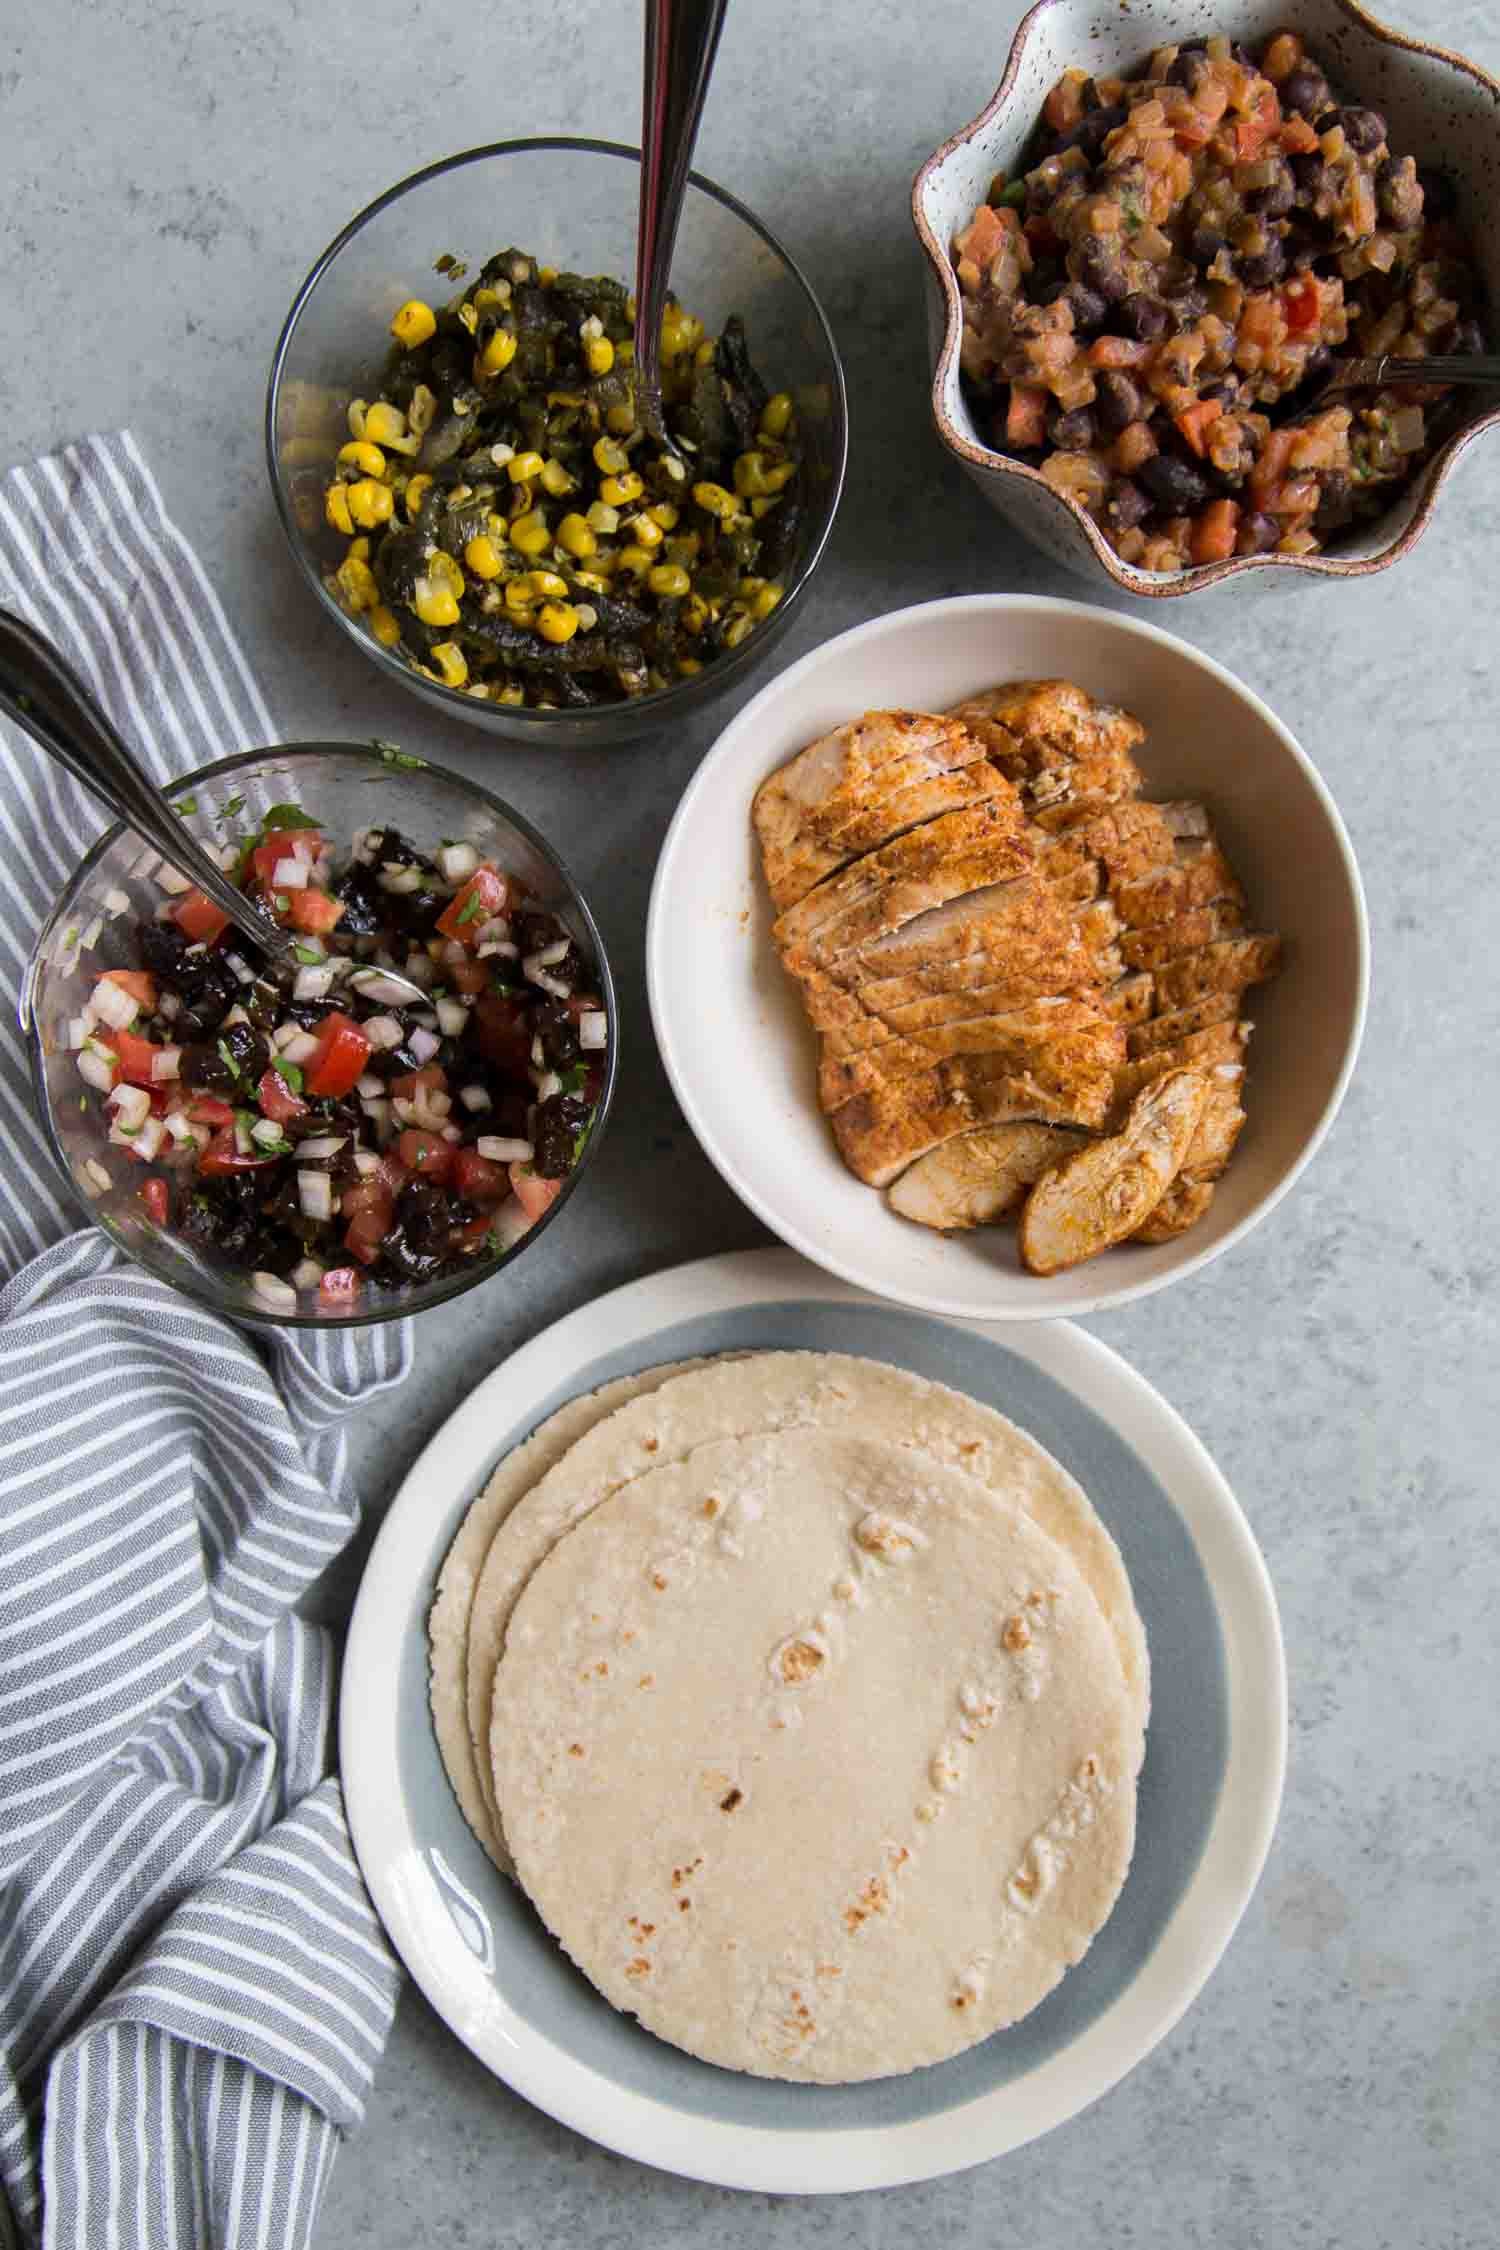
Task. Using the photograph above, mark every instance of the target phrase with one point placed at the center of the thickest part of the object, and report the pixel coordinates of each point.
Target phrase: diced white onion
(169, 1007)
(78, 1031)
(510, 1221)
(282, 1034)
(366, 1162)
(538, 1057)
(319, 1146)
(547, 1086)
(424, 1044)
(228, 857)
(452, 1015)
(179, 1126)
(235, 1015)
(455, 952)
(92, 934)
(313, 945)
(313, 983)
(273, 1293)
(593, 1029)
(534, 969)
(99, 1180)
(370, 984)
(315, 1194)
(114, 1005)
(301, 1047)
(399, 881)
(243, 1145)
(453, 1133)
(383, 1032)
(501, 1151)
(475, 1097)
(421, 968)
(458, 861)
(266, 1131)
(166, 1063)
(493, 932)
(306, 1274)
(115, 902)
(502, 947)
(379, 1114)
(290, 874)
(240, 967)
(550, 955)
(149, 1139)
(167, 879)
(132, 1106)
(405, 1111)
(369, 1087)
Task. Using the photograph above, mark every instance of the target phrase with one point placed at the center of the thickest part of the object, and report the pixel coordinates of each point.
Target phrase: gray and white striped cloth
(194, 1990)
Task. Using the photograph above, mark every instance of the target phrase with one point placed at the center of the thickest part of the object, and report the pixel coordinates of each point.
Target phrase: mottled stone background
(168, 168)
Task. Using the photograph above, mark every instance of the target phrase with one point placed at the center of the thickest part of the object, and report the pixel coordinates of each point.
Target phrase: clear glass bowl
(348, 788)
(573, 204)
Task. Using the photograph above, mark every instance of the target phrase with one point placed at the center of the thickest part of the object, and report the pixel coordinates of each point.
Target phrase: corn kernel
(620, 419)
(417, 489)
(357, 580)
(776, 415)
(336, 508)
(443, 569)
(518, 597)
(664, 514)
(450, 661)
(602, 517)
(610, 459)
(695, 613)
(413, 324)
(557, 621)
(360, 454)
(761, 508)
(736, 630)
(762, 603)
(384, 423)
(547, 586)
(688, 665)
(644, 532)
(574, 535)
(555, 479)
(523, 466)
(383, 625)
(371, 503)
(497, 353)
(633, 558)
(592, 580)
(667, 578)
(511, 694)
(483, 558)
(530, 534)
(434, 604)
(684, 548)
(704, 355)
(619, 491)
(715, 501)
(546, 275)
(599, 355)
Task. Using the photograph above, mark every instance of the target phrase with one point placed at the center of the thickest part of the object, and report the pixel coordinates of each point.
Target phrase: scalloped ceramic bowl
(1441, 108)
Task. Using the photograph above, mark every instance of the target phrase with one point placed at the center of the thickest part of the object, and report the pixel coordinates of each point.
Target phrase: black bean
(1176, 486)
(1302, 246)
(1142, 316)
(1364, 129)
(1335, 501)
(1319, 362)
(161, 946)
(204, 1068)
(1256, 534)
(364, 902)
(1101, 267)
(1439, 199)
(1467, 337)
(1308, 172)
(1188, 307)
(1204, 244)
(1127, 505)
(1089, 309)
(1092, 129)
(1263, 269)
(1304, 90)
(1190, 67)
(1117, 399)
(1274, 201)
(558, 1125)
(554, 1024)
(1398, 192)
(534, 932)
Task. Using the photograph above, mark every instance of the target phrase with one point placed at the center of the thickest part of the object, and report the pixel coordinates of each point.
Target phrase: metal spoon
(46, 698)
(682, 37)
(1468, 368)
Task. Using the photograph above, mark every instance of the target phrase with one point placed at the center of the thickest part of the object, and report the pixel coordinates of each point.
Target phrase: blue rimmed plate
(1209, 1792)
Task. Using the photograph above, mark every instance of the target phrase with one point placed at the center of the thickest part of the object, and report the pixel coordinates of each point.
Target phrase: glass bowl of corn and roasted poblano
(512, 547)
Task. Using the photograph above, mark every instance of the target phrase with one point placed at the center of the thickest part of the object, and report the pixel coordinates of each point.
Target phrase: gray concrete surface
(167, 170)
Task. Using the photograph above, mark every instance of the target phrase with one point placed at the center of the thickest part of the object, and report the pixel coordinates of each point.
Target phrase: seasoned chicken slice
(1208, 1154)
(978, 1178)
(1129, 1000)
(1106, 1190)
(1126, 838)
(1225, 965)
(1199, 875)
(880, 1133)
(1065, 744)
(985, 923)
(1181, 1207)
(1221, 1043)
(859, 787)
(1051, 1040)
(1188, 932)
(1165, 1031)
(945, 858)
(864, 1028)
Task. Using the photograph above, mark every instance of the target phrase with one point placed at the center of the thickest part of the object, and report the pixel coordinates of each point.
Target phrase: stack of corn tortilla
(805, 1699)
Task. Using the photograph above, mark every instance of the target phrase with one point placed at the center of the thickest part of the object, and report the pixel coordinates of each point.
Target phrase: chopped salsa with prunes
(323, 1138)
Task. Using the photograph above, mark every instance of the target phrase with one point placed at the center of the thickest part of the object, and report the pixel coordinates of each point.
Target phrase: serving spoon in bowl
(682, 38)
(46, 698)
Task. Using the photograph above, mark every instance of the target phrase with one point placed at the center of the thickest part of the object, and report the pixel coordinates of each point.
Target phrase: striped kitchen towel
(193, 1987)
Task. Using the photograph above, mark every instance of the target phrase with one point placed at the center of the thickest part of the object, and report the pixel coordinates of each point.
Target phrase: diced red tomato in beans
(427, 1153)
(282, 844)
(367, 1230)
(156, 1202)
(207, 1109)
(276, 1098)
(139, 983)
(200, 921)
(223, 1155)
(474, 1236)
(134, 1056)
(339, 1286)
(1195, 422)
(477, 1180)
(534, 1194)
(1300, 302)
(338, 1065)
(1026, 416)
(312, 911)
(481, 899)
(1214, 532)
(412, 1084)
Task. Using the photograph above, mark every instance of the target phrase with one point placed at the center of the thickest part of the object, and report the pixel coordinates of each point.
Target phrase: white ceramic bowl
(1441, 109)
(740, 1053)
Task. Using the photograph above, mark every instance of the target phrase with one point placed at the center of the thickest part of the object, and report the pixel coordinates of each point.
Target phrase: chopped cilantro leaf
(236, 804)
(471, 909)
(393, 755)
(290, 1071)
(227, 1059)
(307, 956)
(185, 805)
(286, 816)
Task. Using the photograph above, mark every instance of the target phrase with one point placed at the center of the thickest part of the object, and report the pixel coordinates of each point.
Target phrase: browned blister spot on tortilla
(639, 1967)
(875, 1898)
(1015, 1634)
(647, 1679)
(736, 1797)
(651, 1444)
(575, 1750)
(800, 1661)
(683, 1904)
(712, 1505)
(658, 1581)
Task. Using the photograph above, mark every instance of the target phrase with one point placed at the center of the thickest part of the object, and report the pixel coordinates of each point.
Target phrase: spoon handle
(46, 698)
(682, 37)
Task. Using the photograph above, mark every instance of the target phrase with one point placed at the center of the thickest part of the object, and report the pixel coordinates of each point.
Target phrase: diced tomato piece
(500, 1028)
(222, 1155)
(1191, 132)
(1214, 532)
(282, 844)
(1297, 136)
(277, 1099)
(1301, 302)
(339, 1286)
(474, 1236)
(139, 983)
(375, 1191)
(1252, 133)
(593, 1082)
(366, 1231)
(199, 920)
(157, 1202)
(483, 897)
(1026, 416)
(1195, 422)
(313, 911)
(133, 1056)
(478, 1180)
(981, 239)
(1118, 351)
(207, 1109)
(343, 1051)
(427, 1153)
(412, 1084)
(1271, 466)
(534, 1194)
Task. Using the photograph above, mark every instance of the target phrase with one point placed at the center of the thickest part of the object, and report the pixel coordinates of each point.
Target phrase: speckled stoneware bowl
(1440, 108)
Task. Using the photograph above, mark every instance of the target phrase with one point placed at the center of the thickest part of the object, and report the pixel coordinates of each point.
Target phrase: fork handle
(682, 37)
(1450, 367)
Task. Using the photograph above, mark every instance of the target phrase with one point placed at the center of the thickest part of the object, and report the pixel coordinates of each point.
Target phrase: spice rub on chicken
(1026, 977)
